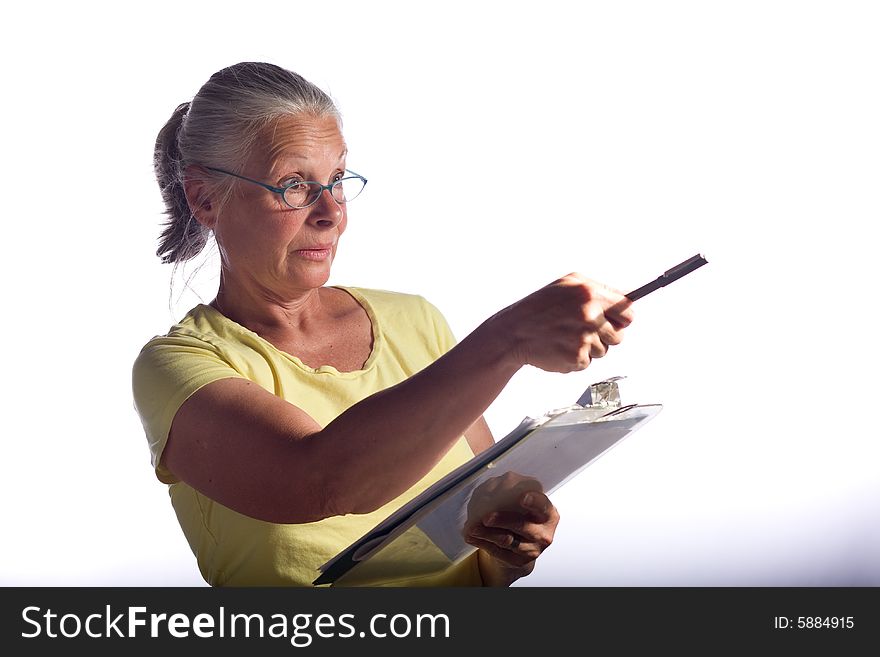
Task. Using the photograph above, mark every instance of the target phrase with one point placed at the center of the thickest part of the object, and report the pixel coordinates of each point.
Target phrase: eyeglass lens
(305, 193)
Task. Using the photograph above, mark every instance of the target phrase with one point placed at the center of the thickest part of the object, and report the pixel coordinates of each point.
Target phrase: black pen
(668, 276)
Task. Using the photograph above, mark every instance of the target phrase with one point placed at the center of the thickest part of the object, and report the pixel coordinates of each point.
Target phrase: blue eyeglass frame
(282, 190)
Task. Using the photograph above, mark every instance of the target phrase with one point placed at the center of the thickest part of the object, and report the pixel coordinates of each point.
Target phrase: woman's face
(274, 250)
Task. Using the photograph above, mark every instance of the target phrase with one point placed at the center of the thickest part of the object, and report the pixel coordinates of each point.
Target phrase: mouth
(318, 252)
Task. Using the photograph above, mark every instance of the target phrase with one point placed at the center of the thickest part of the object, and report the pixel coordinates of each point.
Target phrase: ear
(200, 198)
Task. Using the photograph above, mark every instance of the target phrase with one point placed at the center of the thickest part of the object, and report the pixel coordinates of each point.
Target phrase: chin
(312, 279)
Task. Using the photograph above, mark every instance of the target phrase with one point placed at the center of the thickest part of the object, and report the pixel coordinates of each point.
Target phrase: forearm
(412, 424)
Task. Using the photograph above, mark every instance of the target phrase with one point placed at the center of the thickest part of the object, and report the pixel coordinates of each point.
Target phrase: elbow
(341, 485)
(339, 495)
(345, 489)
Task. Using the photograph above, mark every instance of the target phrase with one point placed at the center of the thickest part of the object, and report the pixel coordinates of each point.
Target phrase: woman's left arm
(509, 538)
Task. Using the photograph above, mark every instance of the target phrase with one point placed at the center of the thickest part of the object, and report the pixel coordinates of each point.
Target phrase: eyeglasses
(303, 193)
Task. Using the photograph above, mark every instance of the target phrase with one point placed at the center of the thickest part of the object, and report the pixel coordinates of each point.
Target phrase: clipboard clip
(603, 394)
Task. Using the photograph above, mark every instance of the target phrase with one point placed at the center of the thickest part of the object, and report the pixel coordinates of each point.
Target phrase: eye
(293, 181)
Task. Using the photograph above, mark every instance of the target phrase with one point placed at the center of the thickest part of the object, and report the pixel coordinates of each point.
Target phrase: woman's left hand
(513, 536)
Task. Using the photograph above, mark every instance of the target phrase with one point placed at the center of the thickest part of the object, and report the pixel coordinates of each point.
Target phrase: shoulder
(408, 317)
(203, 339)
(387, 303)
(200, 327)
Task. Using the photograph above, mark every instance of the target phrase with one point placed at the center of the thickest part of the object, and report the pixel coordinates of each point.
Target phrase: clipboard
(426, 535)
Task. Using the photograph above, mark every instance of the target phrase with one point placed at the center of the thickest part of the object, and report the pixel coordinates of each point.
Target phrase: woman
(289, 418)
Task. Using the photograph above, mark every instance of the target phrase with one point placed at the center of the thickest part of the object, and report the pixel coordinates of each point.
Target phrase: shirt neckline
(376, 328)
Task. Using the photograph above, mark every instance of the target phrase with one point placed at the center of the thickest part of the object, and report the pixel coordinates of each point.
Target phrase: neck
(264, 312)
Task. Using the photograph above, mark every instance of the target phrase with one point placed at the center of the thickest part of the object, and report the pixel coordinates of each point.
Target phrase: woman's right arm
(264, 457)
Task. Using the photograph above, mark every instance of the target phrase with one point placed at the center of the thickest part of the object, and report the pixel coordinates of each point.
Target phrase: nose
(327, 212)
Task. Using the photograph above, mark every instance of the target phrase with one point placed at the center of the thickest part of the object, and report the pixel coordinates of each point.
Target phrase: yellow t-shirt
(236, 550)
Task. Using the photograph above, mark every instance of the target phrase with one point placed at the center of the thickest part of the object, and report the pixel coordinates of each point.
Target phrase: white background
(506, 144)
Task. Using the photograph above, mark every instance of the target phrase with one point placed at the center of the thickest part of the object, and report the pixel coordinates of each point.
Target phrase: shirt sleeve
(166, 372)
(445, 338)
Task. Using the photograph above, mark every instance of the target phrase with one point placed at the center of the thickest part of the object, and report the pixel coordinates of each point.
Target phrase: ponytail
(182, 237)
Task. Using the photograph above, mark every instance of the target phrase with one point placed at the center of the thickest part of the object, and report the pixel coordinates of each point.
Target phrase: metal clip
(604, 394)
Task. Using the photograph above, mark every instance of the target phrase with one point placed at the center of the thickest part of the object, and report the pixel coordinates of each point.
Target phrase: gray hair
(217, 129)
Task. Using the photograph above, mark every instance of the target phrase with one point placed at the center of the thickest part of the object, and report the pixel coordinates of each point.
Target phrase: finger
(582, 362)
(539, 507)
(509, 531)
(591, 346)
(593, 314)
(616, 306)
(620, 312)
(610, 335)
(507, 542)
(500, 526)
(512, 558)
(597, 348)
(601, 333)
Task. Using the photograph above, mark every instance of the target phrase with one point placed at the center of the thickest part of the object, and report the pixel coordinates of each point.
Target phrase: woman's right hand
(564, 325)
